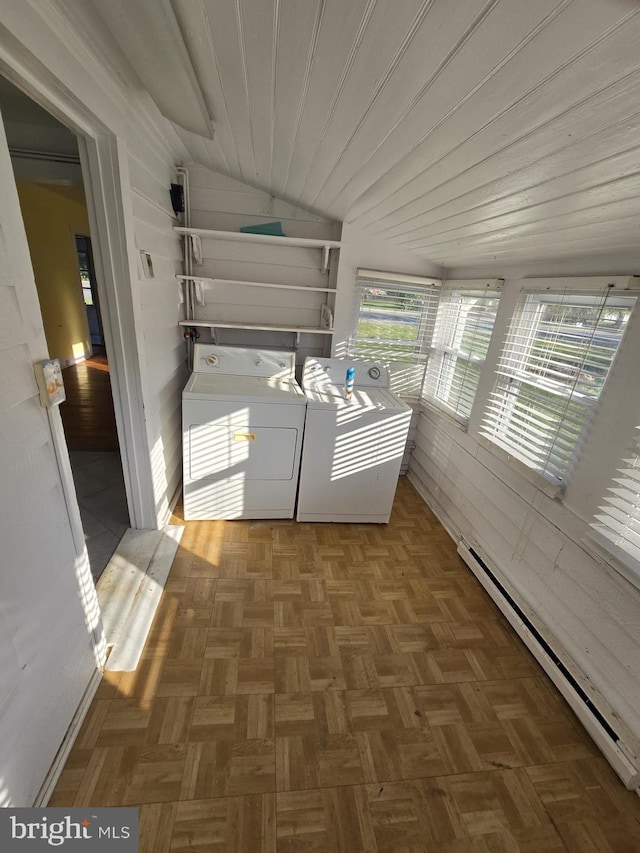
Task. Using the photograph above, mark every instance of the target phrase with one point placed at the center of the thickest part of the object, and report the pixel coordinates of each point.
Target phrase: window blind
(617, 525)
(393, 318)
(553, 366)
(463, 329)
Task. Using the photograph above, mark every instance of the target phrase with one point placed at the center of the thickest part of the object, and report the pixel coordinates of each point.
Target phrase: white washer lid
(250, 389)
(363, 400)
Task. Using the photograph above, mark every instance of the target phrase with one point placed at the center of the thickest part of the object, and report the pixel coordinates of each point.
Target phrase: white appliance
(353, 447)
(242, 424)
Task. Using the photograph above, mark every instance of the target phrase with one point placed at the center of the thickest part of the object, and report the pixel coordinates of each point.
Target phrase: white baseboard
(617, 753)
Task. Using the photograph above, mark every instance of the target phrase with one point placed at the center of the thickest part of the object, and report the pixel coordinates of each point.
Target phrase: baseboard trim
(548, 653)
(574, 686)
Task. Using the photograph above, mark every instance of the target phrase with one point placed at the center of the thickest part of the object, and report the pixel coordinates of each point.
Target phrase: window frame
(584, 287)
(427, 287)
(599, 537)
(442, 349)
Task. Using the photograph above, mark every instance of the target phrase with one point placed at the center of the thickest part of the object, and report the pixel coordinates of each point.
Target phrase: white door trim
(106, 177)
(105, 172)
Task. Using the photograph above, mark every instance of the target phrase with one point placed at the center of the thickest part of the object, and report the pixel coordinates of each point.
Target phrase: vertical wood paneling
(383, 43)
(412, 71)
(257, 23)
(338, 40)
(162, 342)
(481, 59)
(297, 31)
(227, 204)
(194, 19)
(421, 120)
(225, 40)
(555, 168)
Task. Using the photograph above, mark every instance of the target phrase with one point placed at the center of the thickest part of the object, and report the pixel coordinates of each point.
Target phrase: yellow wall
(53, 215)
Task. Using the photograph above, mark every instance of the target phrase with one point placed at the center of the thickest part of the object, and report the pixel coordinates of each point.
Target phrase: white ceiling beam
(148, 33)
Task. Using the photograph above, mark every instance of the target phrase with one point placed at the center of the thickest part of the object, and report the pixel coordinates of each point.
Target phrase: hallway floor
(102, 501)
(90, 429)
(324, 687)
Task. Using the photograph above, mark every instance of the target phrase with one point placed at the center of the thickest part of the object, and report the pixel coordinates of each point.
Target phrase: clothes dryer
(243, 419)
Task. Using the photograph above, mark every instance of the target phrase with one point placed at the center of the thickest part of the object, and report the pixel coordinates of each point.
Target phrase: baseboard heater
(608, 740)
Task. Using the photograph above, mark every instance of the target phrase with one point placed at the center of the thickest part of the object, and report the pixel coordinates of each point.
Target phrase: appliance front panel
(350, 468)
(217, 451)
(242, 361)
(320, 373)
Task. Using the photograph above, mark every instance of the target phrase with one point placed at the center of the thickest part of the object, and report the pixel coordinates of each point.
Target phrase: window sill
(552, 490)
(442, 411)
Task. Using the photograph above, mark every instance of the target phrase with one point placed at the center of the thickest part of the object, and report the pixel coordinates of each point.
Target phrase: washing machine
(353, 446)
(242, 423)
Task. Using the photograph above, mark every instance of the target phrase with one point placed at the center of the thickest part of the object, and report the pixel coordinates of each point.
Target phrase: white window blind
(394, 317)
(553, 366)
(461, 338)
(617, 526)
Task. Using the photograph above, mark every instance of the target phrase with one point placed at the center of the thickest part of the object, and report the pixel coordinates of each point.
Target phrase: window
(460, 341)
(393, 322)
(552, 369)
(86, 270)
(617, 529)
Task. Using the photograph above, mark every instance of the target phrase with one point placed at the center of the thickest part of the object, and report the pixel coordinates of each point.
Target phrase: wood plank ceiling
(481, 132)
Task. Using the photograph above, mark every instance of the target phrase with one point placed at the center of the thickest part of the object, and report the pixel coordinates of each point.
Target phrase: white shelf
(301, 287)
(242, 237)
(263, 327)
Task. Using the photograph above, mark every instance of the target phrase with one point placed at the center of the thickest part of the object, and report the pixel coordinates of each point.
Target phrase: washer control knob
(374, 372)
(282, 364)
(258, 362)
(212, 360)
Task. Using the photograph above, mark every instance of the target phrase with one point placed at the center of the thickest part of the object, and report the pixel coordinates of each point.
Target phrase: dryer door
(219, 450)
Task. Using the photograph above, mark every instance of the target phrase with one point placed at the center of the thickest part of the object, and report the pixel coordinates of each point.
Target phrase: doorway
(51, 188)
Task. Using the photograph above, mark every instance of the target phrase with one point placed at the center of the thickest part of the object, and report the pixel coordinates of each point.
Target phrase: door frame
(105, 173)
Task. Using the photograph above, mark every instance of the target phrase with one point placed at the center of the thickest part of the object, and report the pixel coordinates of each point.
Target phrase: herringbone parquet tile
(311, 687)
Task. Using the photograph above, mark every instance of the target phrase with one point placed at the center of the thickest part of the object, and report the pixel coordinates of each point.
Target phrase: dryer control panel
(243, 361)
(321, 372)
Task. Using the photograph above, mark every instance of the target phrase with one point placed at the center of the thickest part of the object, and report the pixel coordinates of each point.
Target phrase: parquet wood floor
(311, 687)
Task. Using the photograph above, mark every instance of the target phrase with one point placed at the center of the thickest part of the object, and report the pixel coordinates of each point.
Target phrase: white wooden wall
(163, 354)
(222, 204)
(537, 543)
(47, 602)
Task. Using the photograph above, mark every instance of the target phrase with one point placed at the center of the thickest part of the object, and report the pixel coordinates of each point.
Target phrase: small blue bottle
(348, 382)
